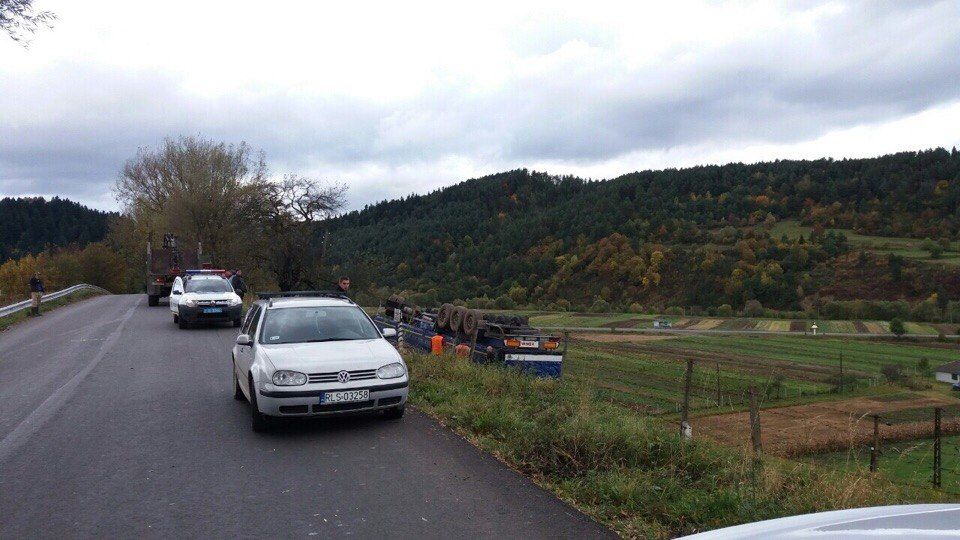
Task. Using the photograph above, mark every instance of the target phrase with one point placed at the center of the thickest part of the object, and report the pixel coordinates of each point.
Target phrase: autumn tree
(19, 19)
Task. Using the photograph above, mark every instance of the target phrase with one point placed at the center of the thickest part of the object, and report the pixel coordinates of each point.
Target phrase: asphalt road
(114, 423)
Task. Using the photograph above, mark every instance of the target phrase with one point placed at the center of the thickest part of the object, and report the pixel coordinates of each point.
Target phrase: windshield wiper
(330, 339)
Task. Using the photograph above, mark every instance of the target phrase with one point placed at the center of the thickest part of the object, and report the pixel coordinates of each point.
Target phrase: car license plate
(212, 310)
(344, 396)
(527, 344)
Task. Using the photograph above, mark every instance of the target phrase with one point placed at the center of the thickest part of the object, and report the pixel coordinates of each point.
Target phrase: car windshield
(207, 286)
(316, 324)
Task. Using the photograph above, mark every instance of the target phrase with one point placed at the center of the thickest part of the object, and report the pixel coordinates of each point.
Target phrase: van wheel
(395, 413)
(258, 421)
(182, 323)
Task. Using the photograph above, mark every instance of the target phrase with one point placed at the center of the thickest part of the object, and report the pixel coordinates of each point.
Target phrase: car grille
(352, 406)
(213, 303)
(355, 375)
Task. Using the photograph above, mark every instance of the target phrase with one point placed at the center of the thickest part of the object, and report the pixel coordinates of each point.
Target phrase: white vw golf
(315, 353)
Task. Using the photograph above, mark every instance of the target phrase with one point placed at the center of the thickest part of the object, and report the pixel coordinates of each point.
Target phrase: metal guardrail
(20, 306)
(680, 331)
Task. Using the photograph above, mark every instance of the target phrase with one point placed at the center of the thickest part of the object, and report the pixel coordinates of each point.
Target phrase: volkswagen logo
(343, 376)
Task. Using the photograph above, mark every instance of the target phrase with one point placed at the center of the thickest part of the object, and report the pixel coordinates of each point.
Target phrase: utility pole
(937, 460)
(875, 449)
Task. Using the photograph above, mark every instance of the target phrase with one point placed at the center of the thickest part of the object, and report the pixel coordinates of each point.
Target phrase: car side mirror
(175, 292)
(244, 340)
(389, 332)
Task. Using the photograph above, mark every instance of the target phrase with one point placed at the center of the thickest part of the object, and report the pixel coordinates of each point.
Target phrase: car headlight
(190, 302)
(283, 377)
(391, 371)
(235, 301)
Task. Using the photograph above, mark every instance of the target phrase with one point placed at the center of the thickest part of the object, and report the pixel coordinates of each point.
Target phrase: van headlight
(283, 377)
(190, 302)
(391, 371)
(235, 301)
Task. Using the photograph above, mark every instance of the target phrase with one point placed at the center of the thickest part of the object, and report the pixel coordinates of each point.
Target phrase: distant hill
(31, 224)
(699, 236)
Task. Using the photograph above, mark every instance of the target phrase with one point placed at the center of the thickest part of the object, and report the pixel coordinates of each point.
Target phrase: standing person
(238, 284)
(36, 294)
(343, 285)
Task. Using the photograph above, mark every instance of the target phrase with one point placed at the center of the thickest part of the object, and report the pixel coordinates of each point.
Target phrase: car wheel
(395, 413)
(258, 421)
(176, 319)
(153, 300)
(237, 391)
(182, 323)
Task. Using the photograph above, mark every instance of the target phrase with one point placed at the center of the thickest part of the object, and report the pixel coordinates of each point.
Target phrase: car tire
(258, 421)
(182, 323)
(237, 391)
(176, 319)
(153, 300)
(395, 413)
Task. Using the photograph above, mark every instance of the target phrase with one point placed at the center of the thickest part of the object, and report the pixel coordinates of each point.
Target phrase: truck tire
(443, 316)
(456, 318)
(153, 300)
(471, 322)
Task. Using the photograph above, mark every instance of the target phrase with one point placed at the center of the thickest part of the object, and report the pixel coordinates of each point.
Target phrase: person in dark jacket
(239, 286)
(343, 285)
(36, 294)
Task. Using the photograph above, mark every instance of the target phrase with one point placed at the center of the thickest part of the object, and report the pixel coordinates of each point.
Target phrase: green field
(906, 462)
(648, 375)
(897, 245)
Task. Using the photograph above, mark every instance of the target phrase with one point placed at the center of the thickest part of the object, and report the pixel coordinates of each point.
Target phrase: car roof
(306, 301)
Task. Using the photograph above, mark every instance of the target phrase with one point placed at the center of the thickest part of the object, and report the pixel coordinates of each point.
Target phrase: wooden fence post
(755, 423)
(685, 412)
(875, 449)
(937, 459)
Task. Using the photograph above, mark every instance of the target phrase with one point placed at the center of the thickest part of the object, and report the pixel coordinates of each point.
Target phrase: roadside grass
(10, 320)
(626, 469)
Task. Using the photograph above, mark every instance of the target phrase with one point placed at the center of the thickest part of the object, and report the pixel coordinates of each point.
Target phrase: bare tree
(292, 243)
(200, 189)
(18, 19)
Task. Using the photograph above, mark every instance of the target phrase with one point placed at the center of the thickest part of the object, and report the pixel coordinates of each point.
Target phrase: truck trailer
(500, 339)
(165, 264)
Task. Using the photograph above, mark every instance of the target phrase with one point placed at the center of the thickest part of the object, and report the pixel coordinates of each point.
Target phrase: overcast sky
(395, 98)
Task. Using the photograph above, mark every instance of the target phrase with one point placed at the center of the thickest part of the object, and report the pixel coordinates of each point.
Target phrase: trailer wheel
(153, 300)
(443, 316)
(471, 322)
(456, 318)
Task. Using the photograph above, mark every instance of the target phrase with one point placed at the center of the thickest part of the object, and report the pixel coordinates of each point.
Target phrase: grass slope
(628, 470)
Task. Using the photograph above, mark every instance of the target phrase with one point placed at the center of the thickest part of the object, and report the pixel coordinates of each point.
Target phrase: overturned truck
(495, 338)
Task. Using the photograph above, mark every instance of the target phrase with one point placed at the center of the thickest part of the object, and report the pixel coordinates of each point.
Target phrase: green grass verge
(10, 320)
(626, 469)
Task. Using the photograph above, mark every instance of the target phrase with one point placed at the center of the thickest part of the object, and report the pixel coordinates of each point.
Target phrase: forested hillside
(697, 237)
(30, 224)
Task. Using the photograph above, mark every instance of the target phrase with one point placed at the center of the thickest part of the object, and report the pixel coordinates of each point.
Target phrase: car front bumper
(293, 402)
(196, 314)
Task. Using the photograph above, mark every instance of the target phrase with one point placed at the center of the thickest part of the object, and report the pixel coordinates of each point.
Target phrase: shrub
(897, 328)
(753, 308)
(505, 302)
(636, 307)
(563, 304)
(892, 372)
(675, 311)
(599, 305)
(725, 310)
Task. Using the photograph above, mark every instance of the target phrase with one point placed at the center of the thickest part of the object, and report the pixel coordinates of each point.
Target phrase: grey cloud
(68, 129)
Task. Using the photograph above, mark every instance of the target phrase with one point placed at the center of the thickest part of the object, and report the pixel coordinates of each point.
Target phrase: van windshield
(316, 324)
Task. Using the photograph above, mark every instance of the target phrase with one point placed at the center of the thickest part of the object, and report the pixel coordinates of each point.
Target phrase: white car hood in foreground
(331, 355)
(906, 521)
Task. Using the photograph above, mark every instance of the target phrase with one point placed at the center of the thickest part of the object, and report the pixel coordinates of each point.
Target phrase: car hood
(332, 355)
